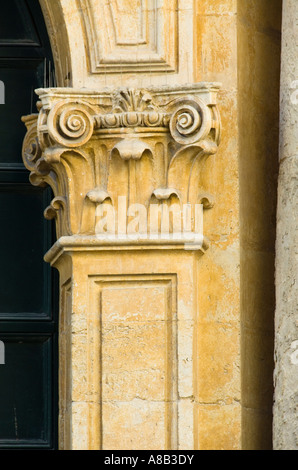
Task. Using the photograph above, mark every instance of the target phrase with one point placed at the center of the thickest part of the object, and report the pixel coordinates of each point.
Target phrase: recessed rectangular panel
(25, 392)
(24, 276)
(135, 36)
(138, 383)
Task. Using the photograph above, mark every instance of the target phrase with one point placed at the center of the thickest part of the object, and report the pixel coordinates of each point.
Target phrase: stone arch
(90, 39)
(55, 19)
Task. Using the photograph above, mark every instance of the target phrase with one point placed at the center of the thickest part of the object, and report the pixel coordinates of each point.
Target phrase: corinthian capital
(96, 148)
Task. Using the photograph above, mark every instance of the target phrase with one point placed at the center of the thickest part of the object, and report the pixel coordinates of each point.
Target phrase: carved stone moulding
(135, 36)
(120, 162)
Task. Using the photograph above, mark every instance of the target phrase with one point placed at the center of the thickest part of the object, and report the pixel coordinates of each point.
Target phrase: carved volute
(97, 149)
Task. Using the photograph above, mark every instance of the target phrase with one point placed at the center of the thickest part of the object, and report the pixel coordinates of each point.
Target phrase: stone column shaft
(126, 169)
(286, 322)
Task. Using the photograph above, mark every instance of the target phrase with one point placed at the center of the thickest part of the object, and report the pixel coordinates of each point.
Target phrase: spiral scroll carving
(31, 150)
(190, 122)
(71, 124)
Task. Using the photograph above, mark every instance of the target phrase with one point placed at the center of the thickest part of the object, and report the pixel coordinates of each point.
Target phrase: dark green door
(28, 313)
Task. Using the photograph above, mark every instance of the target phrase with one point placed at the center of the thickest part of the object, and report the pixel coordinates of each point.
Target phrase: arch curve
(55, 20)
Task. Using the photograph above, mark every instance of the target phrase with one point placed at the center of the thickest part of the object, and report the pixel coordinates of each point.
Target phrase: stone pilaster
(127, 172)
(286, 338)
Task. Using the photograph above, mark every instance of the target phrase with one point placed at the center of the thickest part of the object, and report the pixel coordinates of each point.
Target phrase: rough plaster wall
(259, 23)
(286, 372)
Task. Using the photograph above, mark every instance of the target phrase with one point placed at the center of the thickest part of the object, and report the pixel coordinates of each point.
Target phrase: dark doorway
(28, 303)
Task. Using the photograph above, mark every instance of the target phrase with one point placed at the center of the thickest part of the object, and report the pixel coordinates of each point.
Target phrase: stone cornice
(93, 148)
(90, 244)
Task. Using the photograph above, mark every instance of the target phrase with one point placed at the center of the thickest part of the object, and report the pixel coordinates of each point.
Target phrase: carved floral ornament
(96, 148)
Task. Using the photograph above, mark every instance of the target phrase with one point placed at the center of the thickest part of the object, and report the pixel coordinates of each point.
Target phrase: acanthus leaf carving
(130, 99)
(133, 108)
(94, 148)
(56, 211)
(162, 194)
(131, 149)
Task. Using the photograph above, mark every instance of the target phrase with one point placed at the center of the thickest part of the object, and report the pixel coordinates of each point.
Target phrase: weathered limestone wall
(286, 378)
(195, 40)
(219, 301)
(200, 44)
(259, 24)
(211, 29)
